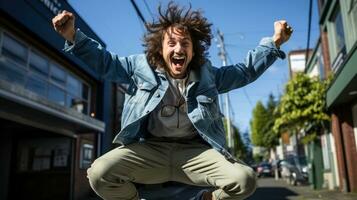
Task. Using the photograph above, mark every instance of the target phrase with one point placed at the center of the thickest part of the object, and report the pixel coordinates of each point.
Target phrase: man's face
(177, 51)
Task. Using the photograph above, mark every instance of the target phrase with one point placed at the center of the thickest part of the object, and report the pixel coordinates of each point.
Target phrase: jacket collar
(197, 74)
(194, 75)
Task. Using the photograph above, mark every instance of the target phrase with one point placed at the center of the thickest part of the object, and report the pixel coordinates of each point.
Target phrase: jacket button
(147, 111)
(157, 95)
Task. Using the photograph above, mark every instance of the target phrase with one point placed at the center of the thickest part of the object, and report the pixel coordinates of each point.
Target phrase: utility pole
(222, 54)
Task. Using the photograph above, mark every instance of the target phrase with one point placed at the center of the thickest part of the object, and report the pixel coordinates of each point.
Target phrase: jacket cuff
(78, 37)
(268, 42)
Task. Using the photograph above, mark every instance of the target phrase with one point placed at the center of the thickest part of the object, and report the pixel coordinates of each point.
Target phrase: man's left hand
(282, 32)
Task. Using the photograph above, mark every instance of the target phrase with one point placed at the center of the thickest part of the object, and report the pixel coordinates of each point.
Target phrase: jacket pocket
(208, 106)
(147, 86)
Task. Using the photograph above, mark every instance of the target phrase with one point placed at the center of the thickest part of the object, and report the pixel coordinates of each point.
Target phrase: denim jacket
(145, 87)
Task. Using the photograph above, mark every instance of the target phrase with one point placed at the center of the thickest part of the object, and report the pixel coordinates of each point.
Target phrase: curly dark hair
(185, 20)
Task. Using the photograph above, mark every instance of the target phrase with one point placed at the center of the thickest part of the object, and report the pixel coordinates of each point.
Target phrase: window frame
(50, 63)
(337, 55)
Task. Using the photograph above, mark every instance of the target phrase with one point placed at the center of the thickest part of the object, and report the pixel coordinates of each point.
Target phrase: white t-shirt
(169, 119)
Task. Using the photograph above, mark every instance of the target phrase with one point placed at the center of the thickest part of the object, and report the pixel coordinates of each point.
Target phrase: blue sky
(243, 24)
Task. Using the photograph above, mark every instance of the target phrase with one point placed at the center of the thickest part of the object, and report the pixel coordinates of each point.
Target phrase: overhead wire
(138, 12)
(308, 33)
(244, 90)
(148, 9)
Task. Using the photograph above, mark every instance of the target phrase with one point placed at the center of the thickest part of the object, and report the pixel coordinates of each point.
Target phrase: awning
(20, 105)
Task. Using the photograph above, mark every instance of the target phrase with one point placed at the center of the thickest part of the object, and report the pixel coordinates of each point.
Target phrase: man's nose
(178, 48)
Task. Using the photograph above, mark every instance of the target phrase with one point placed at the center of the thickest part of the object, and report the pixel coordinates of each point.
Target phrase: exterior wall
(338, 27)
(336, 131)
(29, 22)
(329, 162)
(342, 128)
(354, 114)
(350, 147)
(82, 188)
(334, 163)
(5, 157)
(325, 53)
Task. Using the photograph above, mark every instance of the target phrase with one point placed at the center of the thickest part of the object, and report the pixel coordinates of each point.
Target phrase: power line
(247, 96)
(244, 91)
(308, 33)
(138, 12)
(259, 32)
(148, 8)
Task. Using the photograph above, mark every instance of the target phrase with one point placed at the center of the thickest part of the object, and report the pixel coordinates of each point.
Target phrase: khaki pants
(112, 175)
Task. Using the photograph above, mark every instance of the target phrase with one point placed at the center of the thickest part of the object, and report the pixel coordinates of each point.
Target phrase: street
(268, 189)
(271, 189)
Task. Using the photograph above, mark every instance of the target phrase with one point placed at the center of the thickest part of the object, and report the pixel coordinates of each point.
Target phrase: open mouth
(178, 61)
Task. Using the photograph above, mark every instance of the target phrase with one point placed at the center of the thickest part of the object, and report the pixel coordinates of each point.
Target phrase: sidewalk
(271, 189)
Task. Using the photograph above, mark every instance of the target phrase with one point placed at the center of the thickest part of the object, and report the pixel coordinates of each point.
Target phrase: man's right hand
(63, 23)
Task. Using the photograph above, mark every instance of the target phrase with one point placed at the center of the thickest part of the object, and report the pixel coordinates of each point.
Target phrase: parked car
(264, 169)
(276, 164)
(294, 169)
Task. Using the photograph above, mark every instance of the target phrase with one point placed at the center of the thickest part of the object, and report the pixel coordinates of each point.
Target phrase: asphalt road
(268, 189)
(271, 189)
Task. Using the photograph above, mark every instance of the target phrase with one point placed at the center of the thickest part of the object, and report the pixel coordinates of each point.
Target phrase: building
(297, 61)
(338, 28)
(321, 153)
(56, 115)
(335, 54)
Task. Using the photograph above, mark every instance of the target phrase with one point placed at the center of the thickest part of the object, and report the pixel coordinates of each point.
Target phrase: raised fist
(63, 23)
(282, 32)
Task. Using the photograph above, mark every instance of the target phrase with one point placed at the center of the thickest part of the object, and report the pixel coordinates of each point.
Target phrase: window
(352, 14)
(320, 63)
(38, 65)
(10, 73)
(78, 94)
(58, 76)
(86, 154)
(339, 33)
(43, 154)
(74, 86)
(14, 50)
(338, 49)
(85, 91)
(56, 94)
(24, 66)
(37, 85)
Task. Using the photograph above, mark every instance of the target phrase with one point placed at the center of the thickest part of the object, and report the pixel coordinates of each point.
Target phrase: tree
(248, 146)
(262, 125)
(239, 148)
(246, 139)
(270, 138)
(303, 107)
(259, 120)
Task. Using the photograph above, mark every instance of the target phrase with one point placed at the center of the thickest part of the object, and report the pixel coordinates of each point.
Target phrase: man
(172, 128)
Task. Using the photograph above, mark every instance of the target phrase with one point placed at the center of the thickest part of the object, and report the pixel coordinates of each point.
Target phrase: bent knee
(96, 172)
(244, 182)
(250, 182)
